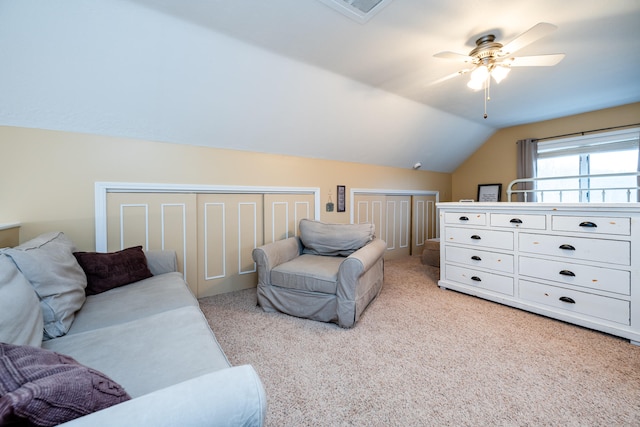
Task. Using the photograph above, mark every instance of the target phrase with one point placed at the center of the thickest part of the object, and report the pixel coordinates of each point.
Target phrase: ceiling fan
(490, 59)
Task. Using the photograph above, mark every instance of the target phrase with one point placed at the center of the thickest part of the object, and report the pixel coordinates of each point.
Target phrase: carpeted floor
(422, 356)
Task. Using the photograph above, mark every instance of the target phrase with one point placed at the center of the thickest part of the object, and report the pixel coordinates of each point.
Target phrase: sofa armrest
(228, 397)
(273, 254)
(161, 261)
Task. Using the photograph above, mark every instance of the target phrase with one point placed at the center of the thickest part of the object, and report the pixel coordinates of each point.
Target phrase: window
(596, 154)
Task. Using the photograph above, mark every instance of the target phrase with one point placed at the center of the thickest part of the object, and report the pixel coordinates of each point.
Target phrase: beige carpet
(422, 356)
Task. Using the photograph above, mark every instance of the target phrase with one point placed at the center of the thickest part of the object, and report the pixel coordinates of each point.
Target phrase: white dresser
(579, 263)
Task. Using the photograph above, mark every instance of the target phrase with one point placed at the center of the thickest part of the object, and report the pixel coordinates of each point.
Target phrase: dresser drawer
(521, 221)
(480, 258)
(607, 251)
(480, 237)
(604, 279)
(474, 218)
(479, 279)
(612, 309)
(592, 224)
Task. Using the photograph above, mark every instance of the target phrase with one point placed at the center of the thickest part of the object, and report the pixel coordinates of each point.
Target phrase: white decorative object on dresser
(576, 262)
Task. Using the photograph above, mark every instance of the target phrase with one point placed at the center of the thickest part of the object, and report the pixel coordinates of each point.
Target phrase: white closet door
(230, 226)
(283, 212)
(155, 221)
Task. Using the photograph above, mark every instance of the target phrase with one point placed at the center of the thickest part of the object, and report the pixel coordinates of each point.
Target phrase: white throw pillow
(48, 263)
(20, 314)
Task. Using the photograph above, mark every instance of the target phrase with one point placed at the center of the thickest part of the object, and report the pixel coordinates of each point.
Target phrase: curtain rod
(586, 131)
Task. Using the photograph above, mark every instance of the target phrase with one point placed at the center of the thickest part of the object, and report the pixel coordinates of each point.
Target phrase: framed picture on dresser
(489, 192)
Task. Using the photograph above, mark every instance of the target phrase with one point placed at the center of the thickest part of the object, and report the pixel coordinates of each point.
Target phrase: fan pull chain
(487, 95)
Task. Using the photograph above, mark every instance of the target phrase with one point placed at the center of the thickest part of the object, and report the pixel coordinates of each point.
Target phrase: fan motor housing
(486, 47)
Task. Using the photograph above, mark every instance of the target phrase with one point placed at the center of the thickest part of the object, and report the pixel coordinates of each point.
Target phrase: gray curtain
(638, 178)
(527, 167)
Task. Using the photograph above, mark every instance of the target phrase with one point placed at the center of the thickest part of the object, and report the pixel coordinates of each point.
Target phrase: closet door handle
(567, 300)
(476, 237)
(476, 279)
(567, 273)
(567, 247)
(588, 224)
(476, 258)
(463, 218)
(516, 221)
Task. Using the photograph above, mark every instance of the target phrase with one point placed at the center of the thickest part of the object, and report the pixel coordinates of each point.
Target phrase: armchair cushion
(320, 238)
(308, 273)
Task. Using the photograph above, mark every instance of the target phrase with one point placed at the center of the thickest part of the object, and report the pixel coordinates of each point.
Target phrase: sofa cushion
(46, 388)
(110, 270)
(48, 263)
(134, 301)
(308, 273)
(20, 314)
(150, 353)
(320, 238)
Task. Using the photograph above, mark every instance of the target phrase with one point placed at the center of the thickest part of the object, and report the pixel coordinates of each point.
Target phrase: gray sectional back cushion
(320, 238)
(49, 265)
(20, 314)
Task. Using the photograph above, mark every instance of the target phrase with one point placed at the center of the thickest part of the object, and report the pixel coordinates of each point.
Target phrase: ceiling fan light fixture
(475, 84)
(480, 74)
(499, 72)
(491, 59)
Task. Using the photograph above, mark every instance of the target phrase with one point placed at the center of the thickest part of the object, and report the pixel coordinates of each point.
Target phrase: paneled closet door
(283, 212)
(155, 221)
(423, 222)
(398, 226)
(230, 226)
(370, 208)
(392, 217)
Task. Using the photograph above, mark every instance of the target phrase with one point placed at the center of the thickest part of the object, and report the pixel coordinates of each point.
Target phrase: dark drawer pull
(567, 299)
(567, 273)
(476, 258)
(567, 247)
(476, 279)
(476, 237)
(516, 221)
(463, 218)
(588, 224)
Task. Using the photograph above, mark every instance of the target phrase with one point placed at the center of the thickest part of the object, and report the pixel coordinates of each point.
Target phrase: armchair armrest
(360, 278)
(228, 397)
(359, 262)
(273, 254)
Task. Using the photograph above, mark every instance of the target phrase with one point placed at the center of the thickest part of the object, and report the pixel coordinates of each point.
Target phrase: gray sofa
(329, 273)
(150, 337)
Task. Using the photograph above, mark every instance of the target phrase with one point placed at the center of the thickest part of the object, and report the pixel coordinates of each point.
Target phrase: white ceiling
(394, 50)
(298, 77)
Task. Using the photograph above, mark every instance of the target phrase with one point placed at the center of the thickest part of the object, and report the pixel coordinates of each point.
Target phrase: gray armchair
(330, 273)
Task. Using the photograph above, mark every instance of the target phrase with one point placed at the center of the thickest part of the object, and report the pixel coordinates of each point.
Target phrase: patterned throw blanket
(43, 388)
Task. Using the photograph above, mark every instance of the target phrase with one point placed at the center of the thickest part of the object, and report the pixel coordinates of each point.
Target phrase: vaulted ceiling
(203, 72)
(394, 50)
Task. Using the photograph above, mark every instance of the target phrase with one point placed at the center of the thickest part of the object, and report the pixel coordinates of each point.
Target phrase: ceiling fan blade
(454, 56)
(450, 76)
(532, 34)
(535, 61)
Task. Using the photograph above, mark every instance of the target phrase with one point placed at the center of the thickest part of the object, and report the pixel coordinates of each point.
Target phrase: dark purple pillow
(43, 388)
(106, 271)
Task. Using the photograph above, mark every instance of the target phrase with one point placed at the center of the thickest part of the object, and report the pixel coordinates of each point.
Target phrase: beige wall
(495, 161)
(47, 177)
